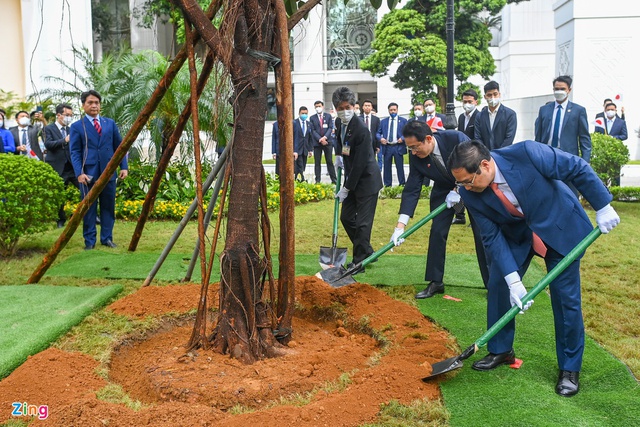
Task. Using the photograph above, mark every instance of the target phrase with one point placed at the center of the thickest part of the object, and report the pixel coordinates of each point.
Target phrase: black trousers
(318, 150)
(69, 177)
(300, 166)
(357, 219)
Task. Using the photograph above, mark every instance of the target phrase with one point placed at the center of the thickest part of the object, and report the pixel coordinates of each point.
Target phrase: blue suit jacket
(574, 136)
(535, 173)
(383, 131)
(618, 129)
(318, 131)
(504, 127)
(275, 139)
(90, 152)
(301, 143)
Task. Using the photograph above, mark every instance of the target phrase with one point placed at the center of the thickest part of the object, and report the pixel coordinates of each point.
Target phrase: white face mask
(345, 116)
(468, 107)
(417, 113)
(67, 120)
(430, 109)
(357, 112)
(24, 121)
(319, 110)
(610, 114)
(560, 95)
(493, 102)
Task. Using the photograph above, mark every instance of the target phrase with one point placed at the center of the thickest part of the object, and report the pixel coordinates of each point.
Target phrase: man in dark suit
(522, 206)
(604, 106)
(612, 124)
(372, 122)
(321, 128)
(390, 136)
(466, 120)
(563, 124)
(429, 154)
(92, 142)
(495, 125)
(359, 195)
(56, 140)
(275, 145)
(430, 112)
(302, 147)
(26, 137)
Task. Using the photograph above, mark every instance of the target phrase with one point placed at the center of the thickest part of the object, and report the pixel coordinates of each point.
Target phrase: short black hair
(367, 100)
(61, 107)
(611, 103)
(471, 92)
(607, 100)
(564, 79)
(391, 104)
(429, 99)
(491, 86)
(302, 108)
(343, 94)
(468, 155)
(20, 112)
(319, 102)
(419, 130)
(85, 95)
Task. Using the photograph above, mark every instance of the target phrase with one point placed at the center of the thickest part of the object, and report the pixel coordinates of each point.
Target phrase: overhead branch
(301, 13)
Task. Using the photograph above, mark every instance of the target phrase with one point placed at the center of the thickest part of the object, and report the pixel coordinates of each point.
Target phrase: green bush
(608, 155)
(31, 193)
(396, 192)
(626, 194)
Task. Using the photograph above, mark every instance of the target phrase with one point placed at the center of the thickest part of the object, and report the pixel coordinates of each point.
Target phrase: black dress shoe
(60, 224)
(491, 361)
(431, 290)
(568, 383)
(110, 244)
(461, 220)
(89, 247)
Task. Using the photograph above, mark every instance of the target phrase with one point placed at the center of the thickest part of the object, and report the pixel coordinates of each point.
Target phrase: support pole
(450, 121)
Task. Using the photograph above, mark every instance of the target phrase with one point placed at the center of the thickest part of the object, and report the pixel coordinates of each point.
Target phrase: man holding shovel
(522, 207)
(429, 154)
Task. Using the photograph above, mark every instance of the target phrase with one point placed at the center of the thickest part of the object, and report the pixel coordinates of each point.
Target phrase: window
(349, 33)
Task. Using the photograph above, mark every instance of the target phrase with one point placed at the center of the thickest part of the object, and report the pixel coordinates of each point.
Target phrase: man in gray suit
(25, 137)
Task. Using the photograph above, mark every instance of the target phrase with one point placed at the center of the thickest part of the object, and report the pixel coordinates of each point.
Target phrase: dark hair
(319, 102)
(468, 155)
(471, 92)
(302, 108)
(343, 94)
(4, 113)
(419, 130)
(417, 104)
(391, 104)
(563, 79)
(367, 100)
(85, 95)
(491, 86)
(61, 107)
(20, 112)
(606, 101)
(428, 99)
(611, 103)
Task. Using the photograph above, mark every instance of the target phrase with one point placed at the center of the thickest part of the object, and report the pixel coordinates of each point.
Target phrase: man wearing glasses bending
(427, 159)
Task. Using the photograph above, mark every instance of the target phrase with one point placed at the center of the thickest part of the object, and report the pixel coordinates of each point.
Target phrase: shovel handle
(336, 207)
(543, 283)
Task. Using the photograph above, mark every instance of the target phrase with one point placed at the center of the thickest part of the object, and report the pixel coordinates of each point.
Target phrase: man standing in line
(56, 142)
(26, 136)
(390, 136)
(523, 207)
(613, 125)
(321, 128)
(92, 142)
(359, 195)
(372, 122)
(301, 142)
(495, 125)
(430, 113)
(429, 154)
(563, 124)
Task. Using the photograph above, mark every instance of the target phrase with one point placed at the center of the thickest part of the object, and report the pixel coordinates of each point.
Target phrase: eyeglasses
(468, 183)
(414, 148)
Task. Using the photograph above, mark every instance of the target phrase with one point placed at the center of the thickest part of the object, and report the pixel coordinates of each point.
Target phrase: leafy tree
(608, 155)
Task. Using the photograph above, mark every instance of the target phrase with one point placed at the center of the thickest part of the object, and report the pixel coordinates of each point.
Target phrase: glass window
(349, 33)
(111, 24)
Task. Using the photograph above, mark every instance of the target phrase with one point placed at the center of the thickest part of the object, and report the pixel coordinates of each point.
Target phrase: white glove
(342, 194)
(338, 162)
(517, 291)
(452, 199)
(607, 219)
(395, 237)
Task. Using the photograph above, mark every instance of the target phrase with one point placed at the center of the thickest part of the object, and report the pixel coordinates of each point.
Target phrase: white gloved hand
(342, 194)
(338, 162)
(607, 218)
(452, 199)
(395, 237)
(517, 291)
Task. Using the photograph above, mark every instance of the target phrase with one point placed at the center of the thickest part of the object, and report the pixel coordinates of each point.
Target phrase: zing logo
(25, 410)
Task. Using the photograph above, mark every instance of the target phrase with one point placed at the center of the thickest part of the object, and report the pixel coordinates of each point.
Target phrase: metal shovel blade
(332, 256)
(337, 277)
(443, 367)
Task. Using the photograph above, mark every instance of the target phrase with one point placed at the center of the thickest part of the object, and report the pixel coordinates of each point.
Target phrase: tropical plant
(608, 155)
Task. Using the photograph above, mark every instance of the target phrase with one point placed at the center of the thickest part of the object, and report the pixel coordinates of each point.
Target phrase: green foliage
(625, 194)
(31, 193)
(420, 413)
(608, 155)
(396, 192)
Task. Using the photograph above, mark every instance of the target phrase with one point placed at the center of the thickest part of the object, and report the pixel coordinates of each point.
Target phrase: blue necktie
(556, 127)
(304, 128)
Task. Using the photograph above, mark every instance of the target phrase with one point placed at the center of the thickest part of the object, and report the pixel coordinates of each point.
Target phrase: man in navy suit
(390, 136)
(613, 125)
(518, 197)
(495, 125)
(563, 124)
(429, 154)
(301, 142)
(92, 142)
(26, 137)
(372, 122)
(430, 112)
(321, 128)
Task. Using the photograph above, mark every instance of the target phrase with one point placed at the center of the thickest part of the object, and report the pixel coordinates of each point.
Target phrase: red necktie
(320, 118)
(538, 245)
(366, 121)
(96, 124)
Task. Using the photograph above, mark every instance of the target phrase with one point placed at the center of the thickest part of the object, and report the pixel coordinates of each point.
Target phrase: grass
(420, 413)
(113, 393)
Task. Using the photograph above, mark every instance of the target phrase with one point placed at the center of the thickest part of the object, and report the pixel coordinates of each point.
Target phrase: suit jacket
(58, 154)
(470, 131)
(618, 129)
(7, 145)
(535, 173)
(574, 133)
(419, 169)
(361, 166)
(383, 131)
(90, 152)
(318, 131)
(275, 139)
(504, 127)
(301, 143)
(32, 134)
(423, 117)
(374, 124)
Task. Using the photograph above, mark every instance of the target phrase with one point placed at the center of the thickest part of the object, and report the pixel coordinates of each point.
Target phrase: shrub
(31, 193)
(626, 194)
(608, 155)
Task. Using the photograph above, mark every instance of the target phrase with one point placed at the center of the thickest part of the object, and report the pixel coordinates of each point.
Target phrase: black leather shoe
(462, 220)
(60, 224)
(431, 290)
(568, 383)
(491, 361)
(110, 244)
(89, 247)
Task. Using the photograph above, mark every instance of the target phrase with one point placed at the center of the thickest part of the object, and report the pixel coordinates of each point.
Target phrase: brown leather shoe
(568, 383)
(491, 361)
